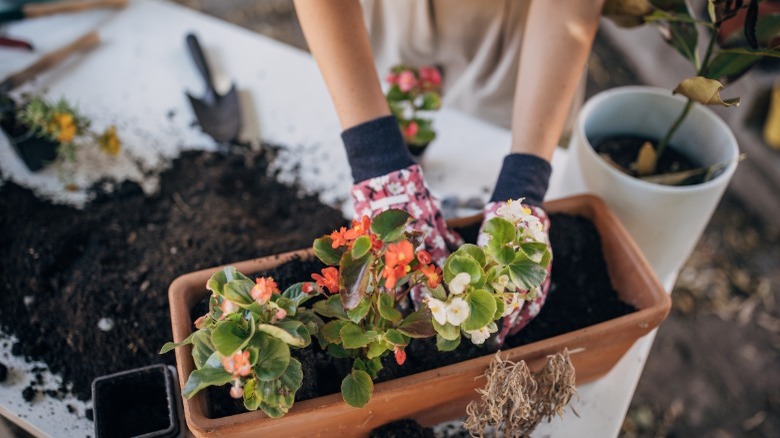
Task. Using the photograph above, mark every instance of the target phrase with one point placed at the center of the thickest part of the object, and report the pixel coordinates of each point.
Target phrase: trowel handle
(49, 60)
(200, 61)
(41, 9)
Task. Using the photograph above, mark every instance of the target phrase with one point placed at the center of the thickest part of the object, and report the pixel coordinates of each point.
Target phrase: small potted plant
(662, 161)
(359, 314)
(412, 93)
(44, 132)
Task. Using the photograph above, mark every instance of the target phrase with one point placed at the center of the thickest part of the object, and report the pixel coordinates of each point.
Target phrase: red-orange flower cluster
(346, 237)
(237, 364)
(433, 274)
(264, 289)
(398, 256)
(329, 279)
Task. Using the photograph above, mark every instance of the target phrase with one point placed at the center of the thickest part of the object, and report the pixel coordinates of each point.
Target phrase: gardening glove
(386, 177)
(526, 177)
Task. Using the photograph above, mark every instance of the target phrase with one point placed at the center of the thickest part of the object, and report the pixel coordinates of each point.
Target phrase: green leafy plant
(724, 58)
(411, 92)
(245, 339)
(484, 283)
(373, 266)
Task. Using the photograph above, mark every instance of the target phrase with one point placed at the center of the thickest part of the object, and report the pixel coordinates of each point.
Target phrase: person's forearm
(338, 39)
(556, 43)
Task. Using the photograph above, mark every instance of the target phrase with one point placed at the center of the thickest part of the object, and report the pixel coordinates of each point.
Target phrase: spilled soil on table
(86, 290)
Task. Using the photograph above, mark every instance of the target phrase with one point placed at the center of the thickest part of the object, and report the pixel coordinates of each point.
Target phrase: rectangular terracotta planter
(439, 394)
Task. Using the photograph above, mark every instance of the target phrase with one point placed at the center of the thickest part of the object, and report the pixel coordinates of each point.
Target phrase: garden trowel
(218, 116)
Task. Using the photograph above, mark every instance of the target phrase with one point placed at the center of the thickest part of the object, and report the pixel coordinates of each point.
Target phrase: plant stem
(665, 141)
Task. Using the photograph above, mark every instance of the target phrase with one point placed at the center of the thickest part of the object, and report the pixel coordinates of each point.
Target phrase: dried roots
(515, 400)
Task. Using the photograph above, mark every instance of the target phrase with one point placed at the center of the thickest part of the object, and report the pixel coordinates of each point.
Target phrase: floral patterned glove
(518, 313)
(405, 189)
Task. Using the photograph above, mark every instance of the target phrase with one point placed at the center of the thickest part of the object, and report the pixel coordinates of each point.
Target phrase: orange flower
(329, 279)
(399, 254)
(307, 288)
(359, 228)
(339, 237)
(65, 127)
(424, 257)
(264, 289)
(433, 274)
(237, 364)
(391, 275)
(400, 355)
(376, 243)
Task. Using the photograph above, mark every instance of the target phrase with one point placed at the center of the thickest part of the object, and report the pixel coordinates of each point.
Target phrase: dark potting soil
(580, 295)
(63, 269)
(623, 150)
(3, 372)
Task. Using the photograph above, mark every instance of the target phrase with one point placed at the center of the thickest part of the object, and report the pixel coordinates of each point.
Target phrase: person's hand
(405, 189)
(519, 313)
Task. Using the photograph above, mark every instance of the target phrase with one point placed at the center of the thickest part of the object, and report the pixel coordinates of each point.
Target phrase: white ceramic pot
(665, 221)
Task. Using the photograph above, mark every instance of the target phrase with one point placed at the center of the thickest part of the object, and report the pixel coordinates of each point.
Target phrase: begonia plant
(245, 339)
(412, 91)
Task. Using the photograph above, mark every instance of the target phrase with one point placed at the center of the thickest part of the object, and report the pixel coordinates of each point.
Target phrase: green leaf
(358, 313)
(500, 230)
(474, 252)
(769, 53)
(230, 336)
(443, 344)
(438, 292)
(431, 101)
(361, 247)
(705, 91)
(202, 347)
(252, 397)
(684, 38)
(352, 336)
(373, 367)
(395, 337)
(730, 65)
(295, 293)
(387, 308)
(418, 324)
(239, 292)
(273, 358)
(353, 279)
(323, 249)
(291, 332)
(331, 308)
(356, 388)
(390, 224)
(219, 279)
(331, 331)
(288, 305)
(446, 331)
(395, 94)
(310, 320)
(482, 308)
(377, 348)
(337, 351)
(500, 307)
(168, 346)
(526, 274)
(202, 378)
(463, 263)
(534, 250)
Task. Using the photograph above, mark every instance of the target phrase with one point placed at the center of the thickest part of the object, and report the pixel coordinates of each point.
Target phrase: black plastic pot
(35, 151)
(139, 403)
(417, 150)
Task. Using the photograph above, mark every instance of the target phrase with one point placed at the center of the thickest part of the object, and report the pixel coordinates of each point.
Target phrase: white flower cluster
(514, 211)
(456, 309)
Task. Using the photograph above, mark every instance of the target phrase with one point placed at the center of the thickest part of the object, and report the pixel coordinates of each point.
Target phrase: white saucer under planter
(665, 221)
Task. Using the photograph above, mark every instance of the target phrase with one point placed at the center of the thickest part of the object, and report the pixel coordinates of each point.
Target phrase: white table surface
(137, 78)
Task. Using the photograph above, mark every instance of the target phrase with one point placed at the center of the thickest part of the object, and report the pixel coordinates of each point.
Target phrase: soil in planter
(580, 295)
(623, 150)
(63, 270)
(133, 405)
(402, 429)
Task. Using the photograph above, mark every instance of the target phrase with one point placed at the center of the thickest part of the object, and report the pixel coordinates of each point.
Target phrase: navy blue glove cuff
(523, 176)
(375, 148)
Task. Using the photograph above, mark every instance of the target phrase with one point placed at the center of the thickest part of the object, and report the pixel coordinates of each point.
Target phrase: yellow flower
(109, 142)
(66, 130)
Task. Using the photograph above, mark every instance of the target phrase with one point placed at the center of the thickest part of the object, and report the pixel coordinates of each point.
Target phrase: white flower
(459, 283)
(535, 230)
(438, 309)
(395, 188)
(228, 307)
(512, 304)
(513, 211)
(457, 311)
(478, 337)
(500, 284)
